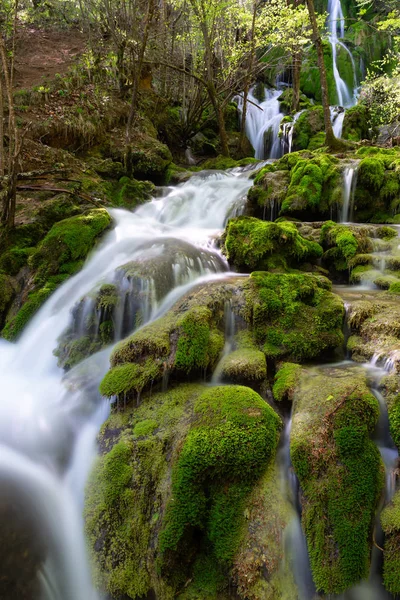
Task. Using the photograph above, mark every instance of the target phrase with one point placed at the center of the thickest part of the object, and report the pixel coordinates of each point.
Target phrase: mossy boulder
(188, 340)
(286, 381)
(58, 256)
(254, 244)
(293, 316)
(7, 293)
(356, 123)
(309, 123)
(340, 472)
(162, 512)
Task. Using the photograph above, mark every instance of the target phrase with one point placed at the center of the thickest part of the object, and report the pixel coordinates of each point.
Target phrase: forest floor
(41, 54)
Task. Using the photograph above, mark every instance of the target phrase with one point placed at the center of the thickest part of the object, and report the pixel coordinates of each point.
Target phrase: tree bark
(2, 159)
(248, 79)
(330, 139)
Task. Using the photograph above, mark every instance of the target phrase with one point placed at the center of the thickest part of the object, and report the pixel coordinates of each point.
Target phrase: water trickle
(229, 346)
(349, 188)
(287, 133)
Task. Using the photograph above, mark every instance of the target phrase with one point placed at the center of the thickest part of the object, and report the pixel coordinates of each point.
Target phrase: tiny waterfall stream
(49, 422)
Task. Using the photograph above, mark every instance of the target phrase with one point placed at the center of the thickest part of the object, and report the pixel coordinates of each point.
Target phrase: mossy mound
(378, 184)
(58, 256)
(356, 123)
(246, 366)
(340, 473)
(293, 316)
(286, 381)
(307, 126)
(303, 185)
(254, 244)
(150, 538)
(188, 340)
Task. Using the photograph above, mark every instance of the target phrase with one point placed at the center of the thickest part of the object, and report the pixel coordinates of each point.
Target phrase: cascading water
(48, 423)
(263, 120)
(349, 188)
(287, 133)
(336, 26)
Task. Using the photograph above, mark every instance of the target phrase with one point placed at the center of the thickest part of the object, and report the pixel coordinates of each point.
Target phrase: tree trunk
(136, 77)
(330, 139)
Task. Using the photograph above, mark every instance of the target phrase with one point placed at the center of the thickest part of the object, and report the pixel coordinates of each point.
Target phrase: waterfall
(349, 188)
(335, 26)
(49, 421)
(287, 133)
(263, 120)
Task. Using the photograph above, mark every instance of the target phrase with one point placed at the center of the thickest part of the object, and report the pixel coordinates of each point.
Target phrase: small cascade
(229, 346)
(336, 31)
(337, 118)
(287, 131)
(263, 120)
(349, 188)
(295, 544)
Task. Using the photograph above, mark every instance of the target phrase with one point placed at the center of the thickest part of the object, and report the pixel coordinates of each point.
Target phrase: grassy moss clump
(124, 378)
(253, 244)
(293, 316)
(244, 365)
(340, 472)
(230, 444)
(309, 123)
(356, 123)
(67, 244)
(58, 256)
(146, 538)
(345, 246)
(129, 488)
(286, 380)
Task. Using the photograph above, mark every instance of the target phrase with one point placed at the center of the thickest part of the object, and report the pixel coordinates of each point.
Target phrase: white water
(336, 26)
(349, 188)
(48, 424)
(287, 133)
(263, 120)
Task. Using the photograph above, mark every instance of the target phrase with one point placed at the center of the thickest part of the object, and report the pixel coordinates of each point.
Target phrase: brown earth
(41, 54)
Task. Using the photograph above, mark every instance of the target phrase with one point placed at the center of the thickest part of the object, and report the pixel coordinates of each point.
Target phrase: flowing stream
(48, 421)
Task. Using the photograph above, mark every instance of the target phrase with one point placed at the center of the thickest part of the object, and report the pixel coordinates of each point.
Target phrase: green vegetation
(293, 316)
(233, 438)
(340, 472)
(252, 244)
(286, 381)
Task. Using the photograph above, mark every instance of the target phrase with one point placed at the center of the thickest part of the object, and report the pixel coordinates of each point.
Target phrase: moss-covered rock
(293, 316)
(390, 520)
(286, 381)
(340, 472)
(150, 538)
(309, 123)
(356, 123)
(7, 293)
(254, 244)
(58, 256)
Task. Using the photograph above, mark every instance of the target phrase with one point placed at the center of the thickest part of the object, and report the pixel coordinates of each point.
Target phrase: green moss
(313, 184)
(123, 378)
(309, 123)
(129, 488)
(390, 520)
(15, 326)
(340, 472)
(395, 288)
(244, 366)
(144, 428)
(6, 292)
(254, 244)
(371, 173)
(356, 123)
(286, 380)
(131, 193)
(198, 346)
(67, 243)
(293, 315)
(234, 437)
